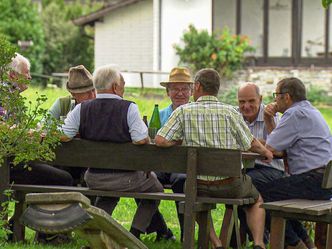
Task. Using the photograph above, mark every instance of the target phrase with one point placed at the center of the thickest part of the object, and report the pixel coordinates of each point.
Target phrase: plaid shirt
(208, 123)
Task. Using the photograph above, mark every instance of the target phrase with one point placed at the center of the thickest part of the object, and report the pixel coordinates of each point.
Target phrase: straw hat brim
(165, 83)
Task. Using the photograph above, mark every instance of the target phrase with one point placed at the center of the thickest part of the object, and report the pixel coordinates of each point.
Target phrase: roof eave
(91, 18)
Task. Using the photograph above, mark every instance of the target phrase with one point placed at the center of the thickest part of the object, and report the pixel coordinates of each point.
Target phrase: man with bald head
(252, 110)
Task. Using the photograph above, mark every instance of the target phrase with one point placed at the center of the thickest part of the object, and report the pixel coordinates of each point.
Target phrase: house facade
(138, 35)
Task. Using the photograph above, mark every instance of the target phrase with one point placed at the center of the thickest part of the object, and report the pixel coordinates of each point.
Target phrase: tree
(66, 46)
(19, 20)
(326, 3)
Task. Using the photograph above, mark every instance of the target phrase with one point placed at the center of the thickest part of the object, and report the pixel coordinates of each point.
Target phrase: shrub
(221, 51)
(20, 134)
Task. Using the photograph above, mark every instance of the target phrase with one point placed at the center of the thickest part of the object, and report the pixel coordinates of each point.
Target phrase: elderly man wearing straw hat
(81, 88)
(178, 89)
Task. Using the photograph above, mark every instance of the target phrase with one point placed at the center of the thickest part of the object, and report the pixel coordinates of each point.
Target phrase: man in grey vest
(111, 118)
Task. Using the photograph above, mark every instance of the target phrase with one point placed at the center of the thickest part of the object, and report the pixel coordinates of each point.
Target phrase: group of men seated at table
(97, 111)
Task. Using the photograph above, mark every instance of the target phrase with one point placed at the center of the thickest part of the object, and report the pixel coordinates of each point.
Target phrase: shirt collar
(209, 98)
(107, 96)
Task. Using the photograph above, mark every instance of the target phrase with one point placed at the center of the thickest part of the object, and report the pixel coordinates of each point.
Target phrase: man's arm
(257, 147)
(276, 153)
(163, 142)
(143, 141)
(71, 124)
(269, 114)
(137, 129)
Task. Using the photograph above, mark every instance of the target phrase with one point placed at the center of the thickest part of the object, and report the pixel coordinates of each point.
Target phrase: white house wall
(125, 37)
(175, 18)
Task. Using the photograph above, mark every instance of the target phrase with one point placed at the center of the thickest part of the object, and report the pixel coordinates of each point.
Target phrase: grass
(145, 99)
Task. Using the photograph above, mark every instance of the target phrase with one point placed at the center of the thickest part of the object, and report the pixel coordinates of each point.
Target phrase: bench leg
(320, 235)
(227, 227)
(277, 235)
(329, 237)
(18, 229)
(237, 227)
(189, 229)
(204, 221)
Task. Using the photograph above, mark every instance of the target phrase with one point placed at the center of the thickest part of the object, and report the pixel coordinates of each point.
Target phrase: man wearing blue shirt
(305, 136)
(178, 89)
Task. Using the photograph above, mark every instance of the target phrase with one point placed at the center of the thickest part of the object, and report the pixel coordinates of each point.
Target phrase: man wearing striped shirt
(210, 123)
(252, 110)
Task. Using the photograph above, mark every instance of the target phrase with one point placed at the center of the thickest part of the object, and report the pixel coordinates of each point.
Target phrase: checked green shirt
(208, 123)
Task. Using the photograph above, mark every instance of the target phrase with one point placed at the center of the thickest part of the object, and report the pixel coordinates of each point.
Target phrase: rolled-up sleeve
(172, 130)
(137, 129)
(72, 123)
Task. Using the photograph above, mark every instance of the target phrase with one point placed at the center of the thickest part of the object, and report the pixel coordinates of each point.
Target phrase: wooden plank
(190, 199)
(325, 218)
(277, 234)
(327, 180)
(225, 162)
(173, 159)
(313, 207)
(277, 205)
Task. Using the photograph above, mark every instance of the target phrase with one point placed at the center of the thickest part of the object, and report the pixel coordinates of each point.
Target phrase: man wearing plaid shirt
(210, 123)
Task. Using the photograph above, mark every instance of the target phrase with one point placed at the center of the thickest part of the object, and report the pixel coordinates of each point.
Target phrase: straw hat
(79, 80)
(178, 75)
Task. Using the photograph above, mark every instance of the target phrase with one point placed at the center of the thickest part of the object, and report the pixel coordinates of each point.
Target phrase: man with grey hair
(111, 118)
(19, 69)
(209, 123)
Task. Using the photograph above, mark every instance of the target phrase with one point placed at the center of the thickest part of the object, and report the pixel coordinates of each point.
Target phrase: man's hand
(269, 113)
(143, 141)
(162, 142)
(268, 155)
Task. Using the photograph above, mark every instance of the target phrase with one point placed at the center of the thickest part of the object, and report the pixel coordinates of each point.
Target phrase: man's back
(209, 123)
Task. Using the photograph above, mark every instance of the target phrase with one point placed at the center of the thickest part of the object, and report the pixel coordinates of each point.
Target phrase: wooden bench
(300, 209)
(179, 159)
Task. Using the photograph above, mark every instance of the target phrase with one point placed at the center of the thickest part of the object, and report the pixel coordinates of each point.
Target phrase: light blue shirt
(259, 131)
(304, 134)
(137, 129)
(165, 114)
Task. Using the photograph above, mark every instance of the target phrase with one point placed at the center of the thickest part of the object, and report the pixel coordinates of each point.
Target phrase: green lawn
(124, 211)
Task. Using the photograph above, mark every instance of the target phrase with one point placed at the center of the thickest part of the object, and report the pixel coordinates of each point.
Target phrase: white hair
(105, 76)
(18, 63)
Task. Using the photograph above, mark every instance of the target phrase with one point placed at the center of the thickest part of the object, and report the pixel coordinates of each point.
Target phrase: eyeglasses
(185, 90)
(276, 94)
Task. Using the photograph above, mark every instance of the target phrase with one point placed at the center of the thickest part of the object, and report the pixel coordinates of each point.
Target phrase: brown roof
(98, 15)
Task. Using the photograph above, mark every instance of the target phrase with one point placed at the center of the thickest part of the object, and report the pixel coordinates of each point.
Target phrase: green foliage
(65, 44)
(317, 95)
(19, 20)
(4, 230)
(20, 132)
(221, 51)
(326, 3)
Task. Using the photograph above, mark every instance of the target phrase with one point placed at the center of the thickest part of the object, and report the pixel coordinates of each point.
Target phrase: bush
(222, 51)
(20, 134)
(19, 20)
(317, 95)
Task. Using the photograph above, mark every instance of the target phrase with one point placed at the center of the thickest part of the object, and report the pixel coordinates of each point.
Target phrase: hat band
(80, 87)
